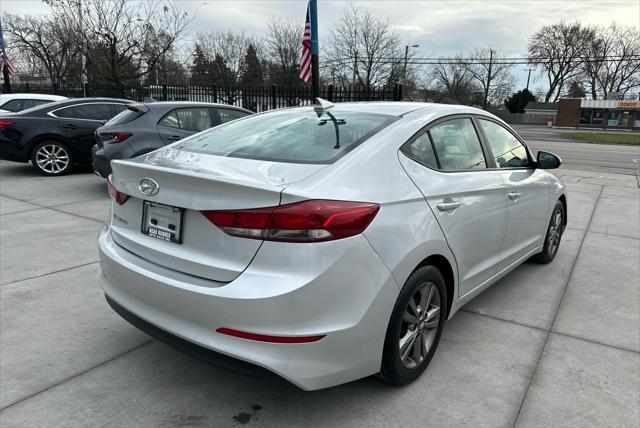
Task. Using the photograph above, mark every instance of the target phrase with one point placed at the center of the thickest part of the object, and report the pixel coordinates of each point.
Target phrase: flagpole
(315, 68)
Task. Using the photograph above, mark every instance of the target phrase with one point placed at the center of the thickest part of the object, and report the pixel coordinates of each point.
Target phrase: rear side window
(421, 151)
(507, 150)
(227, 115)
(12, 106)
(189, 119)
(457, 145)
(123, 117)
(94, 111)
(297, 136)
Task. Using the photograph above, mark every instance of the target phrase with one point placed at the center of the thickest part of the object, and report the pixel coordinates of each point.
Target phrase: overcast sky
(441, 28)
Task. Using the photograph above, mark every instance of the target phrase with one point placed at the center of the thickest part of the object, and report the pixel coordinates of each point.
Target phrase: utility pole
(486, 89)
(5, 68)
(315, 66)
(404, 68)
(355, 67)
(528, 78)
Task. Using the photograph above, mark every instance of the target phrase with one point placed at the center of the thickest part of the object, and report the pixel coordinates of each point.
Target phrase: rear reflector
(5, 123)
(308, 221)
(119, 197)
(268, 338)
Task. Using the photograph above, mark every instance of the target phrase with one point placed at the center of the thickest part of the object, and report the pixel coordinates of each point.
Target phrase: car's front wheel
(554, 235)
(51, 158)
(415, 327)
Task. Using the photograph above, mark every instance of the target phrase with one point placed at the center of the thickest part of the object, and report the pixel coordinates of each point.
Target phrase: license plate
(162, 221)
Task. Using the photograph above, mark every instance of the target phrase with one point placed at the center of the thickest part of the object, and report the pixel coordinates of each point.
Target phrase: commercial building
(616, 114)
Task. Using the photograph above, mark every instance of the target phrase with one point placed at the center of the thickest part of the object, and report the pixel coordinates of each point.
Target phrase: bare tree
(370, 39)
(283, 48)
(124, 39)
(620, 68)
(556, 50)
(491, 73)
(453, 80)
(48, 43)
(228, 47)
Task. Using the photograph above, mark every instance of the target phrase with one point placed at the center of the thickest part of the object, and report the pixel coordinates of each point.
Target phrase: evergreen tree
(251, 73)
(220, 73)
(576, 90)
(519, 100)
(200, 68)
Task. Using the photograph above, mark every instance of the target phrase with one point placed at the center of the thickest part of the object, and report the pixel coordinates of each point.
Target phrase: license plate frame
(161, 221)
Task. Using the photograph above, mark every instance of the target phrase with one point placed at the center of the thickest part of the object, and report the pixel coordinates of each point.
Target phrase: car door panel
(470, 205)
(527, 192)
(528, 205)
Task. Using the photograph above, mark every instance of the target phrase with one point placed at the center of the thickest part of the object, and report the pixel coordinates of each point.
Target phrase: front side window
(33, 103)
(507, 150)
(188, 119)
(298, 136)
(457, 145)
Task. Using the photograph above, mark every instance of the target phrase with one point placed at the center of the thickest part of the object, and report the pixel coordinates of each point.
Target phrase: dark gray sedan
(143, 127)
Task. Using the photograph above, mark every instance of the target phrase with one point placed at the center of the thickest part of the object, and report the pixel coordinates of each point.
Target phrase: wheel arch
(562, 198)
(442, 264)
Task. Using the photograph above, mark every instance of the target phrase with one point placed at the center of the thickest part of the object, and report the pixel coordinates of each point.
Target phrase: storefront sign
(628, 104)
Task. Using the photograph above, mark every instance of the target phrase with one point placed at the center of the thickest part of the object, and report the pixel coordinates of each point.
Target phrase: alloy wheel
(555, 232)
(420, 322)
(52, 158)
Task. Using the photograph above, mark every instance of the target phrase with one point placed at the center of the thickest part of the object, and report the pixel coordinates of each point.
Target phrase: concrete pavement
(553, 345)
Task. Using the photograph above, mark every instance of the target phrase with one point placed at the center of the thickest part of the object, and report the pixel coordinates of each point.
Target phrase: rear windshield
(125, 116)
(297, 136)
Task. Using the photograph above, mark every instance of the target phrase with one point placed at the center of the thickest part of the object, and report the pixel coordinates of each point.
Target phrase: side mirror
(548, 160)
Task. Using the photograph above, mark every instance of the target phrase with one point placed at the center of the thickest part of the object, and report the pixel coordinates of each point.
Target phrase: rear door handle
(448, 205)
(70, 126)
(514, 196)
(174, 138)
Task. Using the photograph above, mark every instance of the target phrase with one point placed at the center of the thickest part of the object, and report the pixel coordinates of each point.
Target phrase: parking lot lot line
(557, 333)
(8, 284)
(53, 208)
(555, 315)
(8, 406)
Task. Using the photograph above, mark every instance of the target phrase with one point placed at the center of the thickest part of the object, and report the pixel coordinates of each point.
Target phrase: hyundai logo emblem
(148, 186)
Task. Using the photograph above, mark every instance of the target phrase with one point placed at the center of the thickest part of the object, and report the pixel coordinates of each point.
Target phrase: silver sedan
(326, 243)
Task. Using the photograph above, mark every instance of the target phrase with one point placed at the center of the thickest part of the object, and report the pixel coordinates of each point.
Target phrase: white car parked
(329, 243)
(13, 103)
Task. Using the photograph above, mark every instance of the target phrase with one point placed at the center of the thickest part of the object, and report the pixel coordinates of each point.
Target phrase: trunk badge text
(148, 186)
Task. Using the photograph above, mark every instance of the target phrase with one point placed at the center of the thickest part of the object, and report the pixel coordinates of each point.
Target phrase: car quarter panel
(372, 173)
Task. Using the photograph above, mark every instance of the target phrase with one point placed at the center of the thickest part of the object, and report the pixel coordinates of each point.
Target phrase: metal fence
(255, 98)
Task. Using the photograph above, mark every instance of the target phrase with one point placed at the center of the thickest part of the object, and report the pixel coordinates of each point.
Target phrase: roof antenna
(320, 106)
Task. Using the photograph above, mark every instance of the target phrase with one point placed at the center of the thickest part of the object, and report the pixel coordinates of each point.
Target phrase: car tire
(52, 158)
(553, 236)
(413, 333)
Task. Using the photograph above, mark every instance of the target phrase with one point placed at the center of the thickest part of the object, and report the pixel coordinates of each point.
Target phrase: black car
(142, 128)
(56, 136)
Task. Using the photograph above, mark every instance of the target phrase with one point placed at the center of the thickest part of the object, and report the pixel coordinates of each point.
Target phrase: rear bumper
(348, 297)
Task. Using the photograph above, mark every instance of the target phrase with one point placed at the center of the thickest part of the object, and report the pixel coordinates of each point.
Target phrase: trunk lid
(196, 182)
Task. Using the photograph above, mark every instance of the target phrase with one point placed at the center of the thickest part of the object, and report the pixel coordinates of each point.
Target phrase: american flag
(4, 61)
(305, 56)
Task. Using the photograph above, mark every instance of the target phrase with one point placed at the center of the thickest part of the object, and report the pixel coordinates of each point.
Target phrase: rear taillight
(112, 138)
(119, 197)
(308, 221)
(5, 123)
